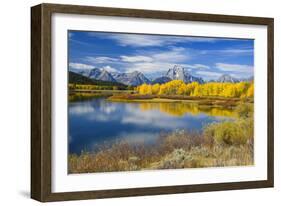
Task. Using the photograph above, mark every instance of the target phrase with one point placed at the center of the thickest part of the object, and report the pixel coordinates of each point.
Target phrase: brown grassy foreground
(177, 150)
(228, 143)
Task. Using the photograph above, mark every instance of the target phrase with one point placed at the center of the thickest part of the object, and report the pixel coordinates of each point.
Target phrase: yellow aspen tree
(250, 92)
(155, 88)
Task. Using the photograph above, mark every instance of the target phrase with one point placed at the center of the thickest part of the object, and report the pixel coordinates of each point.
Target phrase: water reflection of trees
(180, 109)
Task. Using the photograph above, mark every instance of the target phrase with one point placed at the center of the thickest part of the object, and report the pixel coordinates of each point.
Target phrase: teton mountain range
(137, 78)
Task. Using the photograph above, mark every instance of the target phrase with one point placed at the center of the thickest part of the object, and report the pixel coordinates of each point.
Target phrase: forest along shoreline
(227, 143)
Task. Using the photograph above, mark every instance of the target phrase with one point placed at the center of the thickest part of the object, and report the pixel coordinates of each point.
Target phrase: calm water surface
(94, 121)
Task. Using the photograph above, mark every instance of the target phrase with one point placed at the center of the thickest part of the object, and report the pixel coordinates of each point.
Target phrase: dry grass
(131, 97)
(176, 97)
(80, 96)
(202, 101)
(176, 150)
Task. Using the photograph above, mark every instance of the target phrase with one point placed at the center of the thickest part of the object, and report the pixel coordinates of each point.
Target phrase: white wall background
(15, 102)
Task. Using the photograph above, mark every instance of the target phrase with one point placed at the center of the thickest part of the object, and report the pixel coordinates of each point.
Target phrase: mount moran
(137, 78)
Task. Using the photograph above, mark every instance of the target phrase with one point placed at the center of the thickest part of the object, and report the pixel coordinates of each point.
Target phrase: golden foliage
(250, 91)
(178, 87)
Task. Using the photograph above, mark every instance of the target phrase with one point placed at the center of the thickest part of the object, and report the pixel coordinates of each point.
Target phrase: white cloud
(156, 61)
(234, 67)
(238, 51)
(139, 40)
(101, 59)
(136, 58)
(227, 52)
(149, 63)
(80, 66)
(149, 67)
(201, 39)
(175, 55)
(145, 61)
(109, 68)
(209, 74)
(196, 66)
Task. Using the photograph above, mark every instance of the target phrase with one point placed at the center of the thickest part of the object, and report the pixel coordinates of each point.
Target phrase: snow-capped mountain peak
(94, 73)
(106, 76)
(227, 78)
(181, 73)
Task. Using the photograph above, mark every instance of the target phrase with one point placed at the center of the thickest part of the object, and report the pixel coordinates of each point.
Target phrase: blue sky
(153, 55)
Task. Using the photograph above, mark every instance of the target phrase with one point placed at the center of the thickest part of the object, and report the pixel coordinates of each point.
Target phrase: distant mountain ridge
(75, 78)
(101, 74)
(137, 78)
(227, 78)
(134, 79)
(161, 80)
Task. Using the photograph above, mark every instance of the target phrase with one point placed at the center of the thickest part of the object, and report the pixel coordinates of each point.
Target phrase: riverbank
(206, 101)
(84, 94)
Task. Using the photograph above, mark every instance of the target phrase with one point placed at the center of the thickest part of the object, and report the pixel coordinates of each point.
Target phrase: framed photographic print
(132, 102)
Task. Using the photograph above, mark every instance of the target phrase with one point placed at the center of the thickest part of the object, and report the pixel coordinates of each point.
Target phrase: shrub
(245, 110)
(230, 133)
(178, 140)
(174, 160)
